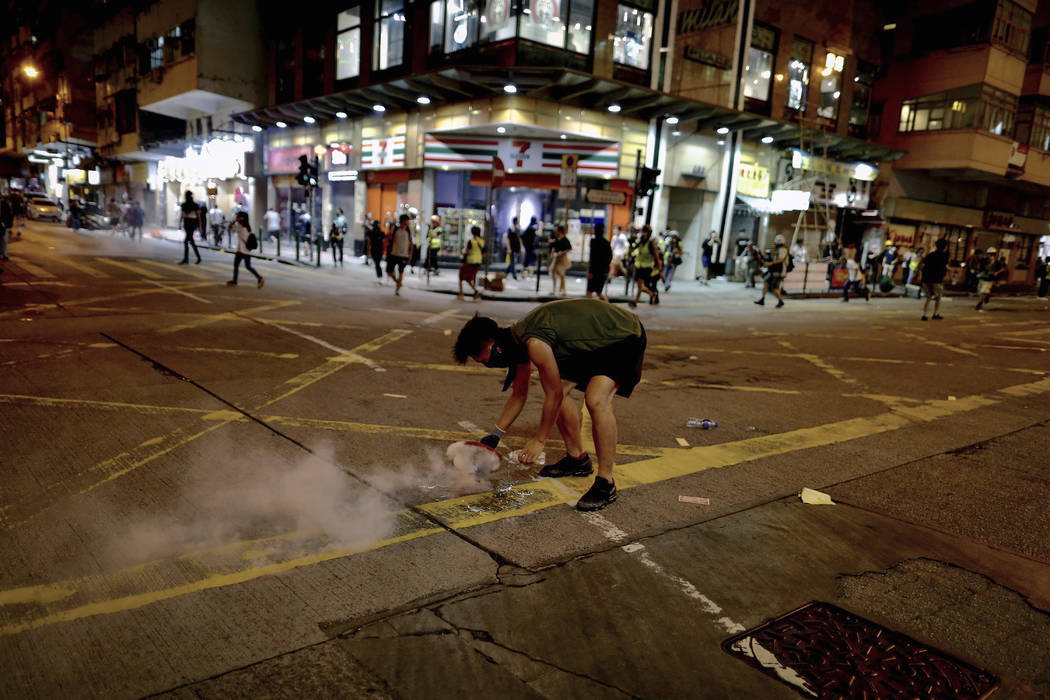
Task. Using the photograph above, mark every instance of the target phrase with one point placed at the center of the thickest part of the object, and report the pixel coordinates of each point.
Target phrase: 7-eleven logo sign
(521, 152)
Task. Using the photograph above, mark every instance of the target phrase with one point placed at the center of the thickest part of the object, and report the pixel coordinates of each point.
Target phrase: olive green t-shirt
(577, 325)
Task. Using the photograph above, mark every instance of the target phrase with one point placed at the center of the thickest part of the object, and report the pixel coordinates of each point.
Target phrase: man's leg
(568, 423)
(599, 396)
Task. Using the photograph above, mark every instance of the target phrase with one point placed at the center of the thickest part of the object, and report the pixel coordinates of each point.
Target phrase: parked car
(39, 208)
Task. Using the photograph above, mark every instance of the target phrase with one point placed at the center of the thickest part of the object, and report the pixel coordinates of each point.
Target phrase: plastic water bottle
(702, 423)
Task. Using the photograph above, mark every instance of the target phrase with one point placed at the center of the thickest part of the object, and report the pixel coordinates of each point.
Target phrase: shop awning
(566, 87)
(759, 205)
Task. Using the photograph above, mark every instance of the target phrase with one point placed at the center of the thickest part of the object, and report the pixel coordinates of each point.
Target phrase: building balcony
(1037, 80)
(953, 68)
(962, 150)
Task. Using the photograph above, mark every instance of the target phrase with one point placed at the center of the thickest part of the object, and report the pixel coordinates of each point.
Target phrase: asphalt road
(214, 491)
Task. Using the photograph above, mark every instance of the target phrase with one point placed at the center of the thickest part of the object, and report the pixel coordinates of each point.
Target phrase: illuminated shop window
(543, 21)
(389, 34)
(497, 20)
(971, 107)
(348, 44)
(581, 13)
(798, 73)
(758, 71)
(830, 86)
(634, 33)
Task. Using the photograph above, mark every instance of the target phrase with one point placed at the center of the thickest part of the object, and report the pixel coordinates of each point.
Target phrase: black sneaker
(938, 317)
(569, 466)
(601, 494)
(779, 304)
(760, 302)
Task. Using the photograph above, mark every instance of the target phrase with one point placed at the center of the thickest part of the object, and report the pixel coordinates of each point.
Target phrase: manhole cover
(823, 651)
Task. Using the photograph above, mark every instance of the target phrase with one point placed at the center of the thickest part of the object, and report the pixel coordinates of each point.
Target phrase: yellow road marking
(208, 319)
(86, 269)
(478, 509)
(109, 469)
(35, 270)
(180, 269)
(138, 270)
(682, 442)
(396, 396)
(246, 353)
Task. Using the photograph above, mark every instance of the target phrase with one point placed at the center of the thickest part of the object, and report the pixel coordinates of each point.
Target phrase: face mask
(506, 352)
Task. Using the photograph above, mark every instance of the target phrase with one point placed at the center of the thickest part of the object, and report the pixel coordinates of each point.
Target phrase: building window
(634, 33)
(830, 86)
(498, 21)
(1012, 27)
(581, 14)
(543, 21)
(284, 88)
(798, 73)
(1033, 127)
(971, 107)
(758, 71)
(858, 110)
(461, 24)
(389, 34)
(348, 44)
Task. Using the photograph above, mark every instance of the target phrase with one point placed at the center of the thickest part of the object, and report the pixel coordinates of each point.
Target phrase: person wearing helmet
(775, 271)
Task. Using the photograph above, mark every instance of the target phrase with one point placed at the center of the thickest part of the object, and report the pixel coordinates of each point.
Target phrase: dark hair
(599, 229)
(242, 217)
(475, 333)
(475, 231)
(941, 243)
(404, 217)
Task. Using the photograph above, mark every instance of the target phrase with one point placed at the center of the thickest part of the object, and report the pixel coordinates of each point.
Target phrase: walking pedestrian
(598, 347)
(934, 267)
(619, 251)
(528, 242)
(512, 242)
(435, 240)
(136, 217)
(995, 273)
(335, 240)
(672, 258)
(913, 266)
(217, 221)
(473, 254)
(854, 278)
(560, 263)
(647, 266)
(243, 231)
(400, 252)
(600, 264)
(272, 223)
(707, 249)
(1043, 275)
(375, 241)
(754, 261)
(7, 221)
(775, 271)
(191, 221)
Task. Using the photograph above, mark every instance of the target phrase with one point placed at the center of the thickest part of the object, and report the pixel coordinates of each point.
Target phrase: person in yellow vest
(647, 267)
(434, 242)
(473, 255)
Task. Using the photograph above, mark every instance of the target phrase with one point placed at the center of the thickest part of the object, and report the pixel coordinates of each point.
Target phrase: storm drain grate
(823, 651)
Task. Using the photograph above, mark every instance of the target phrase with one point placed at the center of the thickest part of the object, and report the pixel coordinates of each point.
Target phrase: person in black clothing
(375, 241)
(191, 221)
(600, 263)
(513, 245)
(528, 241)
(1042, 267)
(7, 222)
(934, 266)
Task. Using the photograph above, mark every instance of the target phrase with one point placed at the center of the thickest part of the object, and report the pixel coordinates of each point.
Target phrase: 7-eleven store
(461, 160)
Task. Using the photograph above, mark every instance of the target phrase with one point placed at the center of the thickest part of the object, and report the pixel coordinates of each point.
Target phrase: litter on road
(815, 498)
(699, 500)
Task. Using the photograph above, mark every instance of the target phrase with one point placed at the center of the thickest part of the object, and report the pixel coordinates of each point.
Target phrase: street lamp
(30, 70)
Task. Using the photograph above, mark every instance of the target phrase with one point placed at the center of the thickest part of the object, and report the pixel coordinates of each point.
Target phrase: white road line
(438, 317)
(133, 268)
(179, 291)
(469, 427)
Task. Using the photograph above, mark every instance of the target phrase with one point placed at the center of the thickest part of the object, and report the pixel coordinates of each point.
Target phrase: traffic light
(307, 176)
(646, 181)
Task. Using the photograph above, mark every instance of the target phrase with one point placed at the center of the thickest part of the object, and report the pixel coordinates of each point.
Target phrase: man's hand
(531, 452)
(490, 440)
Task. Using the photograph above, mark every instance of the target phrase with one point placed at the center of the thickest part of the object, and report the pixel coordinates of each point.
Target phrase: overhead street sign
(566, 193)
(606, 197)
(568, 170)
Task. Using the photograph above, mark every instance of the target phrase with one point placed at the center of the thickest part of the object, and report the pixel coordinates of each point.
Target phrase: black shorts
(621, 362)
(596, 283)
(189, 226)
(395, 262)
(643, 274)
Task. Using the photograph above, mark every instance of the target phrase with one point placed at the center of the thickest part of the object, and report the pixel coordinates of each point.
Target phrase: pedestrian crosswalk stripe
(86, 269)
(181, 269)
(134, 268)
